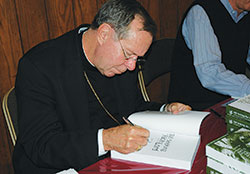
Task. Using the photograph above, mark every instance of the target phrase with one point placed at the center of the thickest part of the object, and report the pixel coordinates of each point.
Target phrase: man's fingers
(178, 107)
(125, 138)
(140, 131)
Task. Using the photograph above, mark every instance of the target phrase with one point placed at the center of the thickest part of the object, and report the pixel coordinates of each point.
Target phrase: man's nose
(131, 64)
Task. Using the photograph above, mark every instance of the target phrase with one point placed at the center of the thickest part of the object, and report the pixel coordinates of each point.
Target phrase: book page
(187, 122)
(165, 149)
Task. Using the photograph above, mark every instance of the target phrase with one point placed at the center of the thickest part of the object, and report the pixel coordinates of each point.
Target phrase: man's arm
(46, 141)
(212, 73)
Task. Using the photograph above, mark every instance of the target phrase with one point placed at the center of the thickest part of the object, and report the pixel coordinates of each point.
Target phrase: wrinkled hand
(125, 138)
(176, 107)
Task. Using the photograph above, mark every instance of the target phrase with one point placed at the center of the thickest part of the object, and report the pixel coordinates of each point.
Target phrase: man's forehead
(140, 43)
(137, 24)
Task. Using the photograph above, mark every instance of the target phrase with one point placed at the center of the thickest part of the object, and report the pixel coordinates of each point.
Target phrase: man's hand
(125, 138)
(177, 107)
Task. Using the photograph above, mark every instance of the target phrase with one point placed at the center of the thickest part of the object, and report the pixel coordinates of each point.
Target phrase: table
(211, 128)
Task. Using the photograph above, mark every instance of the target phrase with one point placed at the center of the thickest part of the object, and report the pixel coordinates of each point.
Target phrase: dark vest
(233, 40)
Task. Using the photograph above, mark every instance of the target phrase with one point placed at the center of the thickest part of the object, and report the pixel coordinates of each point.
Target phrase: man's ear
(104, 32)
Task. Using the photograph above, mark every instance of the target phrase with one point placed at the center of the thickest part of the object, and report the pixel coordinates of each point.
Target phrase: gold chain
(99, 100)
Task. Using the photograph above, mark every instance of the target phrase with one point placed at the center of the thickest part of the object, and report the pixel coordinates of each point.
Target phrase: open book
(174, 138)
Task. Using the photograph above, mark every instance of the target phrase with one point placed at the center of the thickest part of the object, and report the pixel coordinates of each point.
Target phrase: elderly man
(73, 92)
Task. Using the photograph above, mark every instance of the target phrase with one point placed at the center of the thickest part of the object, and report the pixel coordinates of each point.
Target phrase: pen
(128, 121)
(217, 114)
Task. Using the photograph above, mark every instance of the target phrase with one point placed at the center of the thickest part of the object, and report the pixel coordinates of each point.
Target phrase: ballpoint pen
(217, 114)
(128, 121)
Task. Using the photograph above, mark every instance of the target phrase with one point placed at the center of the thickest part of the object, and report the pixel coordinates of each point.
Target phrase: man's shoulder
(57, 49)
(48, 46)
(58, 53)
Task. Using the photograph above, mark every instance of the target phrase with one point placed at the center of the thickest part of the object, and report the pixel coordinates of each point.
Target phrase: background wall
(25, 23)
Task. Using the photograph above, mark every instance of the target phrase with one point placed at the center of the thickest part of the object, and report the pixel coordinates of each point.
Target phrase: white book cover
(222, 167)
(242, 104)
(173, 141)
(232, 149)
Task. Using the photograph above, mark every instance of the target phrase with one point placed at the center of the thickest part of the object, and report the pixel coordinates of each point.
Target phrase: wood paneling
(10, 45)
(25, 23)
(182, 7)
(10, 52)
(100, 3)
(60, 17)
(32, 22)
(168, 25)
(84, 11)
(152, 8)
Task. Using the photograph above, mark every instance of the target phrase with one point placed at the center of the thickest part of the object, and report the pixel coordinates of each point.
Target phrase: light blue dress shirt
(200, 38)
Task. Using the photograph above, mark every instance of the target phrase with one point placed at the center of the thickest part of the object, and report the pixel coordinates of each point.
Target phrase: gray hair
(120, 13)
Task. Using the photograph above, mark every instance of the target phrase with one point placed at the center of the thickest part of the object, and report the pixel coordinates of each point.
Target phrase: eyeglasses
(133, 57)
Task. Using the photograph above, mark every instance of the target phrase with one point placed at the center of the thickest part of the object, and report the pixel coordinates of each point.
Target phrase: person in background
(73, 92)
(211, 53)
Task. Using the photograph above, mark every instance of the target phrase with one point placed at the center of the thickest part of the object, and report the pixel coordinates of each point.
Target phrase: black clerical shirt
(104, 87)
